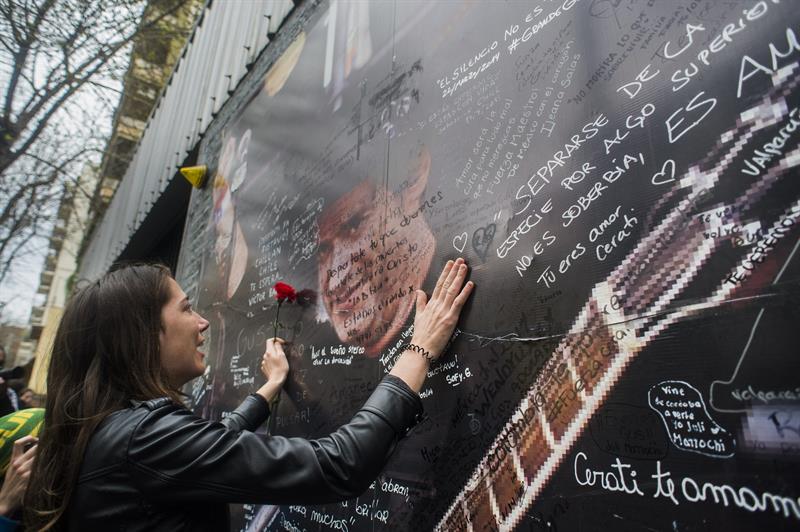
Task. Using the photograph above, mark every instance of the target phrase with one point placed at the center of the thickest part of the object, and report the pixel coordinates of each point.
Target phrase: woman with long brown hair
(119, 450)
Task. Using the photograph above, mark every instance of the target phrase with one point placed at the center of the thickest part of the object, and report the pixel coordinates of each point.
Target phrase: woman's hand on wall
(434, 322)
(436, 318)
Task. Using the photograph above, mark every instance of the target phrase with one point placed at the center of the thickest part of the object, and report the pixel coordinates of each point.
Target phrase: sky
(19, 289)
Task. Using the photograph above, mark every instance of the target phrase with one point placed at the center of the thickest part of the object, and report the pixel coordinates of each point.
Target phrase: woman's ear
(417, 179)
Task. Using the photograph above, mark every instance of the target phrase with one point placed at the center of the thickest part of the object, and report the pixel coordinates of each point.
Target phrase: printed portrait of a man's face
(375, 249)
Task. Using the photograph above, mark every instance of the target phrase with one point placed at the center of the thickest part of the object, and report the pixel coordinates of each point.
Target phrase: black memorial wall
(621, 176)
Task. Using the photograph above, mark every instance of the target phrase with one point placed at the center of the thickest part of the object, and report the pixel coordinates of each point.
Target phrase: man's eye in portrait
(324, 250)
(350, 228)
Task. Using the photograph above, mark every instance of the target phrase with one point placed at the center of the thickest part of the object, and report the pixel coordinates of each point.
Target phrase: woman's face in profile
(180, 338)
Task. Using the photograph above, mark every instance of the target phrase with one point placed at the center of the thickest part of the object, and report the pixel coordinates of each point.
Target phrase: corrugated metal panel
(202, 48)
(238, 56)
(207, 101)
(220, 91)
(262, 37)
(253, 15)
(226, 40)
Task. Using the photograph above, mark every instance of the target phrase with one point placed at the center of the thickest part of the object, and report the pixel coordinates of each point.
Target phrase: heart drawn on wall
(460, 242)
(666, 175)
(482, 239)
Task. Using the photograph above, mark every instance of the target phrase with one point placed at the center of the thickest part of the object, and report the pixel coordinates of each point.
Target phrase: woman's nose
(203, 323)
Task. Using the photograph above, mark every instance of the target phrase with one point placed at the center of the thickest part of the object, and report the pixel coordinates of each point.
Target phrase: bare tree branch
(61, 66)
(21, 56)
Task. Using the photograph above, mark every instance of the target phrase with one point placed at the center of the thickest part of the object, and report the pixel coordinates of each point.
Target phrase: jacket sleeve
(253, 411)
(175, 456)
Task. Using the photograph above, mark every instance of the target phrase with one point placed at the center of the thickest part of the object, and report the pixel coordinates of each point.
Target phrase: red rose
(285, 291)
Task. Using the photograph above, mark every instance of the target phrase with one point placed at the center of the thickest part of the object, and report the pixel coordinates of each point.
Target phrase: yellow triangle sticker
(196, 175)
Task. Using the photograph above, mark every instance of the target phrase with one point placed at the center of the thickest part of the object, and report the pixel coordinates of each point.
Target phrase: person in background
(27, 399)
(9, 402)
(120, 451)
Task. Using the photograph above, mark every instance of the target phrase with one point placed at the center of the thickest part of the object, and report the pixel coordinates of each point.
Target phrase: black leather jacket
(157, 466)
